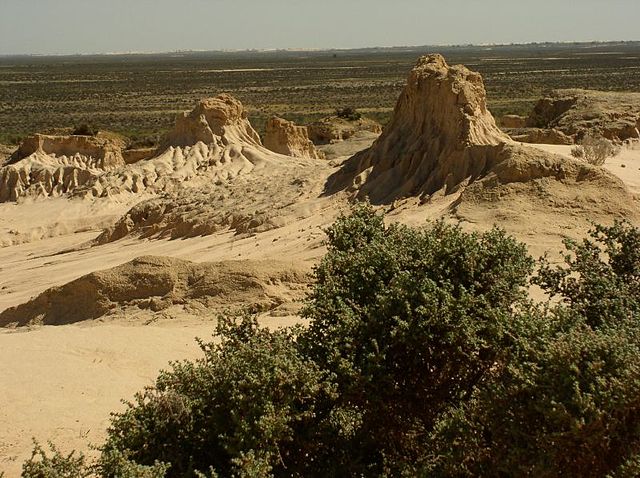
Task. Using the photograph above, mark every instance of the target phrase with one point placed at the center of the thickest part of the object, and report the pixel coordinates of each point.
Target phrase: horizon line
(316, 50)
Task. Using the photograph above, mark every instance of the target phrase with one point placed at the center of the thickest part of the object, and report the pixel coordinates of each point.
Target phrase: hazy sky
(96, 26)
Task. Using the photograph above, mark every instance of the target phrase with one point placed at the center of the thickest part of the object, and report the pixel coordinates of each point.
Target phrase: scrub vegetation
(139, 95)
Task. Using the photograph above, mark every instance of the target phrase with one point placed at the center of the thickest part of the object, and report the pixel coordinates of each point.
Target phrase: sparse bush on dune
(595, 150)
(253, 406)
(423, 356)
(55, 464)
(565, 400)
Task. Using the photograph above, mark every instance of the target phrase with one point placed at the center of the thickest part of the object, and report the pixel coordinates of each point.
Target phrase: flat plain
(139, 95)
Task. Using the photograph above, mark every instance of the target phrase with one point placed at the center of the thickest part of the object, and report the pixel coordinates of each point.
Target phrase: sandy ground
(29, 221)
(626, 165)
(60, 383)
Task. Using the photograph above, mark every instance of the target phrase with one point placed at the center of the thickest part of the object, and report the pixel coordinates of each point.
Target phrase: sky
(107, 26)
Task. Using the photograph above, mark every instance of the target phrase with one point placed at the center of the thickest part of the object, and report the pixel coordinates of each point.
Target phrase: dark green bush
(349, 113)
(410, 321)
(75, 465)
(84, 129)
(601, 278)
(55, 465)
(565, 402)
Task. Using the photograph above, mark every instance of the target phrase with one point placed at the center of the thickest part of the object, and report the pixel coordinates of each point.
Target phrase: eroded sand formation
(285, 137)
(211, 172)
(442, 139)
(214, 142)
(45, 166)
(441, 133)
(575, 112)
(232, 181)
(221, 121)
(157, 283)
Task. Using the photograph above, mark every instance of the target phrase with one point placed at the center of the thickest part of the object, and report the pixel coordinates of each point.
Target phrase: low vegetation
(139, 95)
(595, 150)
(423, 356)
(84, 129)
(349, 113)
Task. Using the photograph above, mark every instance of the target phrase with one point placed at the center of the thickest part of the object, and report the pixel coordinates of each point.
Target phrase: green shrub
(565, 402)
(58, 465)
(595, 150)
(115, 463)
(84, 129)
(253, 406)
(75, 465)
(601, 276)
(410, 321)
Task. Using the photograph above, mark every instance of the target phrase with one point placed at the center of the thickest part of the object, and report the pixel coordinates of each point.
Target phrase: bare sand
(625, 165)
(61, 383)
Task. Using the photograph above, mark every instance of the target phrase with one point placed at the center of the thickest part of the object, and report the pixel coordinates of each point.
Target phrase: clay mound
(158, 283)
(535, 194)
(616, 116)
(440, 135)
(105, 153)
(202, 188)
(45, 166)
(334, 129)
(266, 199)
(213, 143)
(285, 137)
(180, 167)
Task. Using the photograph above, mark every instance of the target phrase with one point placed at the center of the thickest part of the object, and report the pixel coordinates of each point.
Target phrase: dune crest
(157, 283)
